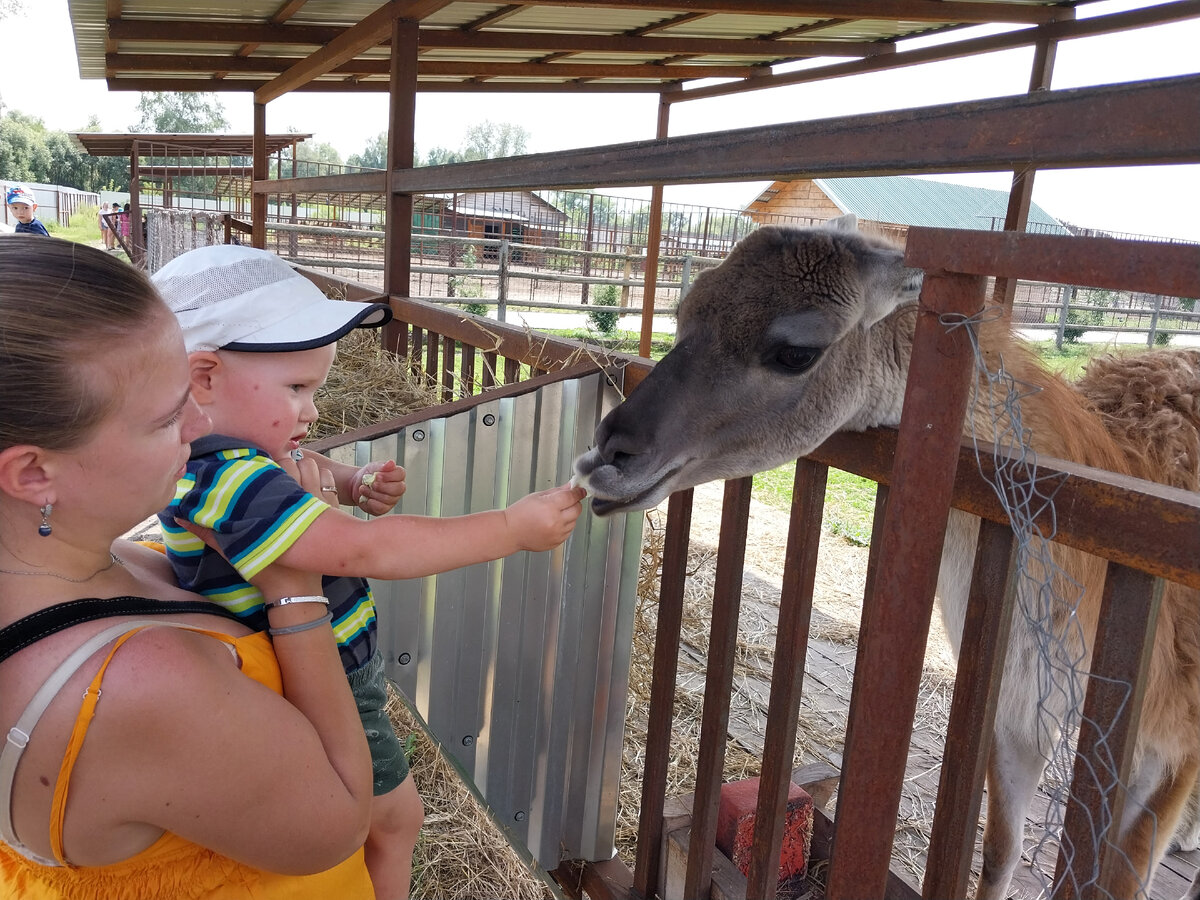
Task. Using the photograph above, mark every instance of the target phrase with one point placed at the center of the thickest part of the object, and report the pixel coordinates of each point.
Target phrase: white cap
(233, 297)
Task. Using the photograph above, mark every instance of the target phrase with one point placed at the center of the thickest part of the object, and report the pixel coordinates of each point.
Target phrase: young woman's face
(267, 398)
(128, 467)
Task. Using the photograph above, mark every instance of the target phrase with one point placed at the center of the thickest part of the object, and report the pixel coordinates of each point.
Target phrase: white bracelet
(305, 598)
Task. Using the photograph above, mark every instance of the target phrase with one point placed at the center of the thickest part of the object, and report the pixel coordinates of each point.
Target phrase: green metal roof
(902, 200)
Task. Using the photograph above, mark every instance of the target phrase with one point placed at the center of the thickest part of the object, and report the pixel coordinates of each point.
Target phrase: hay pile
(460, 852)
(368, 385)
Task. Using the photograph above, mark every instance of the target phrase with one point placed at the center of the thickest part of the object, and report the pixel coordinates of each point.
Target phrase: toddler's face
(22, 211)
(267, 398)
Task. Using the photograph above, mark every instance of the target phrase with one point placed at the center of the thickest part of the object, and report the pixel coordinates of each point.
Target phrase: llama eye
(791, 359)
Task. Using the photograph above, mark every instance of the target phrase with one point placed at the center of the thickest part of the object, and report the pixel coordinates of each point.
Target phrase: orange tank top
(171, 868)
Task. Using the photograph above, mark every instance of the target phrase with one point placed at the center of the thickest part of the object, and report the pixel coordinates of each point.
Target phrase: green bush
(467, 287)
(605, 320)
(1162, 338)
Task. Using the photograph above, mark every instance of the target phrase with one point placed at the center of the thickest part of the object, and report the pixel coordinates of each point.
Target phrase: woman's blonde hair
(65, 309)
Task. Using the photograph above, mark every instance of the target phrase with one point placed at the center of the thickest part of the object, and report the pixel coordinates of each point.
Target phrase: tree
(440, 156)
(23, 152)
(374, 155)
(490, 140)
(181, 113)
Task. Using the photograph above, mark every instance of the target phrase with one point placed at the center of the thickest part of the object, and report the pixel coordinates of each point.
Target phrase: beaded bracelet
(304, 598)
(303, 626)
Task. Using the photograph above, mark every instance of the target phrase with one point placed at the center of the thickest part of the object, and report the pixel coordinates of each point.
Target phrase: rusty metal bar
(896, 614)
(1089, 863)
(787, 676)
(1156, 268)
(662, 693)
(972, 713)
(718, 683)
(1157, 524)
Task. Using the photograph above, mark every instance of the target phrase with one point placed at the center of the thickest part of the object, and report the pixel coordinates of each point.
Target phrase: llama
(801, 333)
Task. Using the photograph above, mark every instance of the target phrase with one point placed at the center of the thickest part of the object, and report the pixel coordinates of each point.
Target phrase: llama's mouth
(606, 506)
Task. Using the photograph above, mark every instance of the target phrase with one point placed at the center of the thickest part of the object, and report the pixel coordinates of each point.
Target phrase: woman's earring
(44, 529)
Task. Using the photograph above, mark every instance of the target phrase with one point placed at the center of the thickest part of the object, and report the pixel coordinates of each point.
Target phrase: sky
(43, 81)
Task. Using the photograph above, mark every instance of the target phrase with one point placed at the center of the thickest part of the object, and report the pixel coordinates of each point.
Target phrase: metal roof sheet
(901, 200)
(162, 44)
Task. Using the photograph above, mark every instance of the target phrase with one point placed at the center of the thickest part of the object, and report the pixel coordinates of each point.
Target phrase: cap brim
(328, 320)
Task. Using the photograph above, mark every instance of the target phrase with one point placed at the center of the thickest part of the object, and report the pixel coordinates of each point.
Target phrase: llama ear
(887, 284)
(848, 222)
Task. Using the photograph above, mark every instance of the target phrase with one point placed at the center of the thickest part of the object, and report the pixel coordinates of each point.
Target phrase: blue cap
(20, 194)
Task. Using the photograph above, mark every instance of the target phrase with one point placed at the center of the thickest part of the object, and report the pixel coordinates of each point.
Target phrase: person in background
(105, 231)
(261, 339)
(203, 760)
(21, 204)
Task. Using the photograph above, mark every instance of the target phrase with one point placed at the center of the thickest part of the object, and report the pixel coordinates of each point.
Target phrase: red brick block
(735, 826)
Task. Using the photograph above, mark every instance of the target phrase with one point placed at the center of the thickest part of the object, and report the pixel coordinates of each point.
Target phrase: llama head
(787, 341)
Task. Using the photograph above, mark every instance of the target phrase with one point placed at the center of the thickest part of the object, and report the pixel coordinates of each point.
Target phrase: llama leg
(1152, 811)
(1014, 769)
(1187, 833)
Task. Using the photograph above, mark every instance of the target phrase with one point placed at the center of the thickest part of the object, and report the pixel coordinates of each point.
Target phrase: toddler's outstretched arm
(405, 546)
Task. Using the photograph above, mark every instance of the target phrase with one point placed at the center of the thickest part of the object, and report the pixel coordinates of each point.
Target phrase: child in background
(21, 204)
(260, 340)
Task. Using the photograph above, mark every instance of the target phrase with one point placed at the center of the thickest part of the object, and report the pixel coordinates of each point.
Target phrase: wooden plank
(1131, 124)
(899, 604)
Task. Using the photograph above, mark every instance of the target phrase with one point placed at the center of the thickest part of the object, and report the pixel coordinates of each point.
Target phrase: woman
(189, 774)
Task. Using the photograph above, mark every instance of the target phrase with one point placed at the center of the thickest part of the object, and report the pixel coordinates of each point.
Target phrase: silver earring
(44, 529)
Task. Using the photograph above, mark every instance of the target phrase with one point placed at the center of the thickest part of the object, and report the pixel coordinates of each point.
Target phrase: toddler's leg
(396, 818)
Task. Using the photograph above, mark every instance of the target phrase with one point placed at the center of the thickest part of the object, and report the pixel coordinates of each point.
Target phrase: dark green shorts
(388, 763)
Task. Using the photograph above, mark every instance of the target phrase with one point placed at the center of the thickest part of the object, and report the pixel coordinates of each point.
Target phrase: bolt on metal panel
(518, 667)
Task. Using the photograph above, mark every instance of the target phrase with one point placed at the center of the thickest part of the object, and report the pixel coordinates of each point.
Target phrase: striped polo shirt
(256, 511)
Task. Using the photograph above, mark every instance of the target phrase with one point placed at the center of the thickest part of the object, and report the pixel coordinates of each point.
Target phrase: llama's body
(804, 332)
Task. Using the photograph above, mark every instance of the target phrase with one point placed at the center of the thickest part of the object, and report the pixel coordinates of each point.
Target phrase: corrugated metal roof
(209, 45)
(901, 200)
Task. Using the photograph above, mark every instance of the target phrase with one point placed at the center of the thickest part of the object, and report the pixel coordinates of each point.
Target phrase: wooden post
(1020, 196)
(654, 235)
(397, 252)
(137, 245)
(258, 202)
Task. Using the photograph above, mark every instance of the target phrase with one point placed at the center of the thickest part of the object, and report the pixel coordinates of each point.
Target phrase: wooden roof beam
(370, 32)
(1055, 31)
(431, 39)
(228, 85)
(266, 65)
(285, 12)
(141, 31)
(904, 10)
(492, 18)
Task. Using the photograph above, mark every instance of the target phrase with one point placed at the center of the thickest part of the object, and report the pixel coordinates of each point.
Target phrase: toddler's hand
(544, 520)
(378, 486)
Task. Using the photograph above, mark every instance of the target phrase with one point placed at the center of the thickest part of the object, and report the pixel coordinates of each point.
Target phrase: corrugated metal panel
(919, 201)
(519, 667)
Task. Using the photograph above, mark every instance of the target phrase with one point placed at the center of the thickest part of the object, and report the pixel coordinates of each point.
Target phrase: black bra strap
(52, 619)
